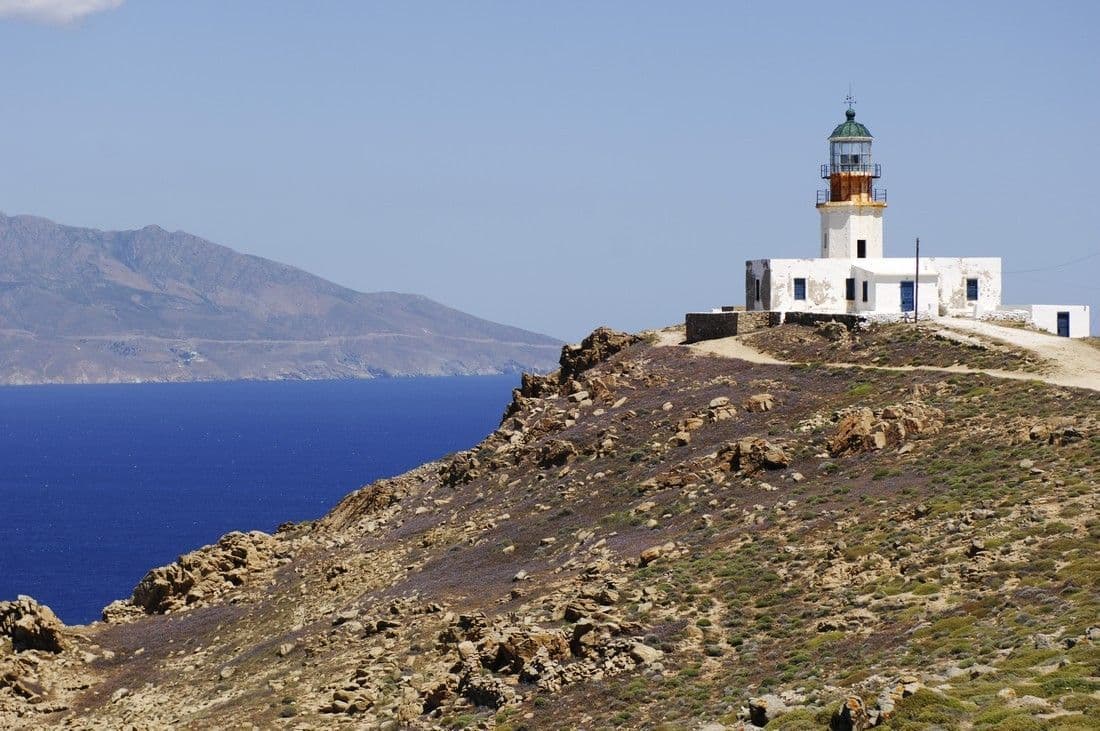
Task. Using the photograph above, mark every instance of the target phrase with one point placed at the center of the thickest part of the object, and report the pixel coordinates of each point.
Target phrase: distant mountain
(79, 305)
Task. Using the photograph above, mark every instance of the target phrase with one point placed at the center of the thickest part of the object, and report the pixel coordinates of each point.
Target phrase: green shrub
(927, 706)
(800, 720)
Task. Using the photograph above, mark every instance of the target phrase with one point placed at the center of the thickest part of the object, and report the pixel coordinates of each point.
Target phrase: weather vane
(850, 100)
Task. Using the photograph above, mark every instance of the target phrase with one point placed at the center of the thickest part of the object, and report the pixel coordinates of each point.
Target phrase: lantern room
(850, 145)
(850, 170)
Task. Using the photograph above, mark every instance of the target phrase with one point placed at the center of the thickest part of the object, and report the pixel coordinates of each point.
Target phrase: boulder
(483, 689)
(888, 699)
(766, 708)
(752, 455)
(589, 639)
(1044, 641)
(691, 423)
(680, 439)
(853, 432)
(851, 716)
(468, 653)
(832, 331)
(535, 386)
(653, 553)
(721, 413)
(21, 679)
(602, 388)
(521, 646)
(863, 430)
(556, 453)
(460, 469)
(759, 403)
(643, 654)
(1058, 431)
(976, 547)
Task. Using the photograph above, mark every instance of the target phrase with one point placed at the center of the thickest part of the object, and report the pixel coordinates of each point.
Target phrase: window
(757, 290)
(849, 156)
(971, 290)
(861, 248)
(800, 288)
(825, 244)
(865, 291)
(850, 289)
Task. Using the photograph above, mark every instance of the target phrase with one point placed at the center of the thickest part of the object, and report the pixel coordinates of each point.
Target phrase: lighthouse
(851, 207)
(852, 280)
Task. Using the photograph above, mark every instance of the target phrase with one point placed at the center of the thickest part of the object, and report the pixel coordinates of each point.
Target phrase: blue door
(1063, 324)
(906, 296)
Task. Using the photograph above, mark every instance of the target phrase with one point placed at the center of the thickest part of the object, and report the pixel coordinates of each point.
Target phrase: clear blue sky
(558, 165)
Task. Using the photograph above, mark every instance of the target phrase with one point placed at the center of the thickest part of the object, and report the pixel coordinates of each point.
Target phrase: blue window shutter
(850, 289)
(799, 288)
(971, 289)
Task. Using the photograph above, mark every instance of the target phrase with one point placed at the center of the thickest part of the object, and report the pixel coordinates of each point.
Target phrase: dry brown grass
(891, 345)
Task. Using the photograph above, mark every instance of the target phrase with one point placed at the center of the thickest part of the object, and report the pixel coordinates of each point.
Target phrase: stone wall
(714, 325)
(710, 325)
(1010, 314)
(813, 318)
(725, 324)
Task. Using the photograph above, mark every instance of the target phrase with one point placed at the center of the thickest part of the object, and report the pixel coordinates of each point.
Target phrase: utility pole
(916, 286)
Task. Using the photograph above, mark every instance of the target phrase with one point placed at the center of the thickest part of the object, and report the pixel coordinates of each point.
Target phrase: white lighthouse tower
(851, 207)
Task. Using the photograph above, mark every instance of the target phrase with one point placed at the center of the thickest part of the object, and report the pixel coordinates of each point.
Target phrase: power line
(1056, 266)
(1069, 285)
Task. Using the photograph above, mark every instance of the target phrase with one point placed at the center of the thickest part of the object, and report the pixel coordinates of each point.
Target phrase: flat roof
(895, 267)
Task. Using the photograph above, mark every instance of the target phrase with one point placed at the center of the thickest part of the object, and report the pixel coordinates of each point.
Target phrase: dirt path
(1074, 363)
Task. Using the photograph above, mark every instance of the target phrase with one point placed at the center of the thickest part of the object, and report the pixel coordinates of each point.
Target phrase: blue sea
(98, 484)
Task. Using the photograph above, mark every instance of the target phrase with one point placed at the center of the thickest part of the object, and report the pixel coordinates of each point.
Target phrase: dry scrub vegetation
(652, 539)
(891, 345)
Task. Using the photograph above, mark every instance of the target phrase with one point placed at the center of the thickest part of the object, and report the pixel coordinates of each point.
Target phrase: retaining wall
(714, 325)
(813, 318)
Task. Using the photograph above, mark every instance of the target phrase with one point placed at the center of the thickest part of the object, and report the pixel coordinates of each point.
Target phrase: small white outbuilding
(853, 275)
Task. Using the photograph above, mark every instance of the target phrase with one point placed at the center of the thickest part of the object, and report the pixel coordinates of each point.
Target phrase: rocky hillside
(652, 539)
(84, 306)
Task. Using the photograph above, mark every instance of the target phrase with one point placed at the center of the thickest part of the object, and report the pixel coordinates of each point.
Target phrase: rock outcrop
(600, 345)
(753, 454)
(864, 429)
(1057, 431)
(31, 626)
(201, 576)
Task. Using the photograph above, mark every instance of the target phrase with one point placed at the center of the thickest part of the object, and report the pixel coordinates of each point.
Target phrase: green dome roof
(850, 127)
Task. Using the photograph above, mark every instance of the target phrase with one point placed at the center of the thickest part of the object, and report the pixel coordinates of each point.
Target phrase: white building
(853, 275)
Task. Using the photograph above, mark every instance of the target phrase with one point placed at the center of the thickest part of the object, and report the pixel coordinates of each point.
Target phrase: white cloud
(54, 11)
